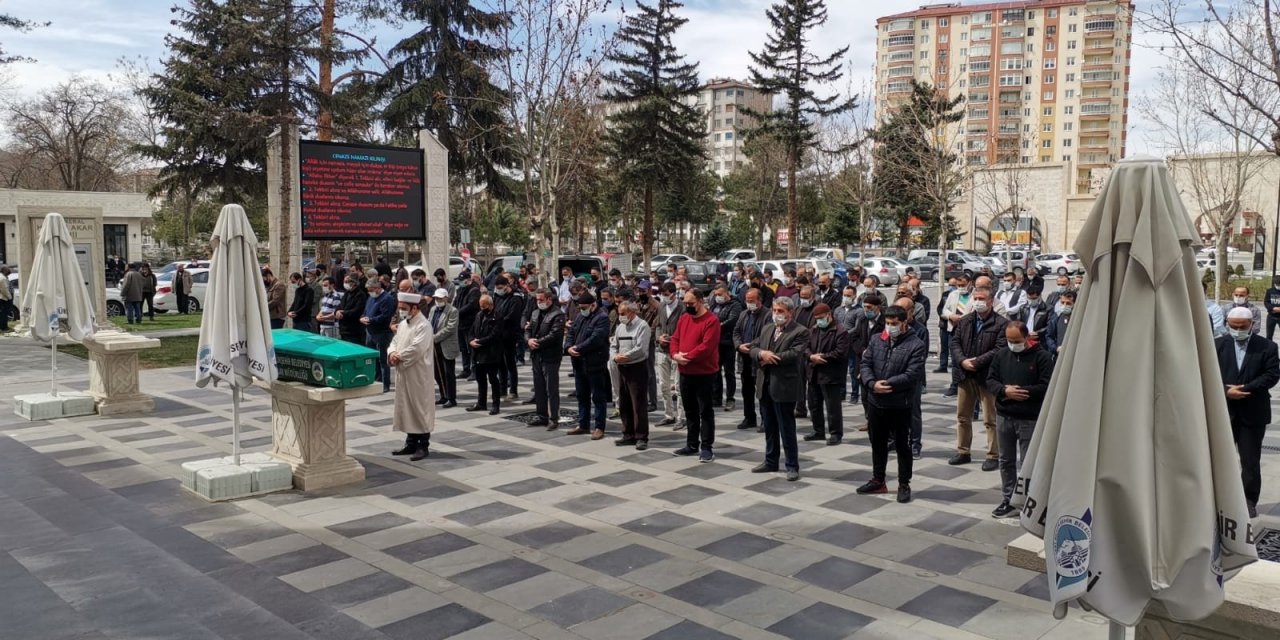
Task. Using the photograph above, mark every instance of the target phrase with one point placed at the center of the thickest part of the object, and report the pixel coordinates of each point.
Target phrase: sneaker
(904, 493)
(747, 424)
(873, 486)
(940, 370)
(815, 436)
(685, 451)
(915, 452)
(539, 422)
(680, 426)
(625, 442)
(729, 405)
(960, 458)
(950, 392)
(642, 445)
(763, 468)
(834, 440)
(706, 455)
(793, 475)
(666, 422)
(1004, 510)
(990, 464)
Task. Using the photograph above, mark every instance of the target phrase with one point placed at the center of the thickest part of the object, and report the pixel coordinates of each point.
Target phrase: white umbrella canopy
(55, 291)
(235, 331)
(1132, 478)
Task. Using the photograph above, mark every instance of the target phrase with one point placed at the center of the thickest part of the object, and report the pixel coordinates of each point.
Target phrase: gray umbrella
(1132, 478)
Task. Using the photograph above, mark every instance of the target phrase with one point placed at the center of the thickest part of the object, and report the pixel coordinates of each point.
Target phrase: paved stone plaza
(504, 532)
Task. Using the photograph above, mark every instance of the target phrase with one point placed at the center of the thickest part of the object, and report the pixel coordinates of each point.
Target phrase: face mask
(501, 292)
(804, 302)
(349, 286)
(848, 301)
(404, 315)
(870, 314)
(1061, 288)
(721, 299)
(822, 288)
(1239, 299)
(1066, 310)
(668, 300)
(626, 320)
(1035, 302)
(544, 305)
(1241, 335)
(1017, 347)
(779, 319)
(615, 283)
(823, 323)
(606, 303)
(980, 306)
(584, 312)
(1008, 286)
(752, 306)
(691, 309)
(326, 289)
(894, 330)
(784, 280)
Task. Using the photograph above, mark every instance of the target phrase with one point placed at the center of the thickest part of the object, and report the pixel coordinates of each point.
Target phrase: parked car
(736, 255)
(166, 300)
(173, 266)
(969, 263)
(923, 266)
(14, 313)
(701, 274)
(1059, 264)
(115, 304)
(455, 267)
(885, 271)
(825, 253)
(664, 259)
(781, 266)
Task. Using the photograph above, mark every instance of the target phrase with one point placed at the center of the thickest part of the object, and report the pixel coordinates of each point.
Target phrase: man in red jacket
(695, 349)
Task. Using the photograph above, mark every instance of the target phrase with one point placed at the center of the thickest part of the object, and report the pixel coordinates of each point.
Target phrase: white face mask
(1240, 335)
(544, 305)
(327, 289)
(848, 301)
(1017, 347)
(404, 315)
(980, 306)
(721, 299)
(779, 319)
(752, 306)
(804, 302)
(349, 286)
(894, 330)
(1240, 299)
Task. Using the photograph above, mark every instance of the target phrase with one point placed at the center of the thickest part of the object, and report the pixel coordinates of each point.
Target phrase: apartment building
(1044, 81)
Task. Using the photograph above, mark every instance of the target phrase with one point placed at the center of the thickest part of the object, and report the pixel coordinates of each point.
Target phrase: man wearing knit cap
(587, 344)
(412, 354)
(1250, 367)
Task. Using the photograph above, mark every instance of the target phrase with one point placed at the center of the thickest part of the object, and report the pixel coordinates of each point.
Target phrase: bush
(1239, 271)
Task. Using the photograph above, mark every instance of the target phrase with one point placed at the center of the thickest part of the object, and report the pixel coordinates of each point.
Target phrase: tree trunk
(646, 237)
(324, 119)
(793, 213)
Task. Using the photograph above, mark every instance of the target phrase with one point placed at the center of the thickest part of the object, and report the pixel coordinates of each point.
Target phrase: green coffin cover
(319, 361)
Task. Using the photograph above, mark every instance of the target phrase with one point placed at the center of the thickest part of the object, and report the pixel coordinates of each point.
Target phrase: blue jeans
(381, 340)
(593, 391)
(133, 312)
(853, 377)
(779, 424)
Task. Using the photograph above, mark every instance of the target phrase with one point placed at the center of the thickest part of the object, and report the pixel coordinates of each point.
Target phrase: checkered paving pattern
(505, 531)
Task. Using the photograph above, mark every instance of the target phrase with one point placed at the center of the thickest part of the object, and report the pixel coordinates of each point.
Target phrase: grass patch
(162, 321)
(178, 351)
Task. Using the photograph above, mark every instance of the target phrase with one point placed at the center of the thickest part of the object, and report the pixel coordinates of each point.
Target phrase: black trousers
(727, 379)
(884, 424)
(182, 303)
(633, 400)
(380, 340)
(464, 345)
(825, 410)
(546, 385)
(301, 324)
(446, 377)
(1272, 321)
(1248, 439)
(149, 299)
(5, 314)
(487, 376)
(749, 373)
(507, 373)
(696, 392)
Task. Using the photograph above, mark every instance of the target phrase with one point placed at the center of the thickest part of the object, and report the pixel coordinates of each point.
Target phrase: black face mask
(644, 298)
(691, 309)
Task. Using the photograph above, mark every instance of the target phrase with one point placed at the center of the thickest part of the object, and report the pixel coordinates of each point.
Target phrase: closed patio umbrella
(1132, 478)
(235, 333)
(55, 292)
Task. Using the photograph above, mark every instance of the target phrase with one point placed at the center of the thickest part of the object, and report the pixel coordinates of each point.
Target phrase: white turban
(1240, 313)
(409, 298)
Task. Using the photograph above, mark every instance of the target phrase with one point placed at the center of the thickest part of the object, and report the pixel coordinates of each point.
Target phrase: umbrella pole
(1116, 631)
(53, 369)
(235, 426)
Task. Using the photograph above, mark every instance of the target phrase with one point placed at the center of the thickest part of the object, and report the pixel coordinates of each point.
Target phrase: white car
(167, 301)
(664, 259)
(825, 253)
(778, 267)
(885, 271)
(737, 255)
(14, 312)
(455, 268)
(1059, 264)
(997, 265)
(115, 304)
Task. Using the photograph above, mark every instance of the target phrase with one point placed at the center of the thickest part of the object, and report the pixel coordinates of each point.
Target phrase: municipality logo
(1071, 548)
(317, 372)
(202, 359)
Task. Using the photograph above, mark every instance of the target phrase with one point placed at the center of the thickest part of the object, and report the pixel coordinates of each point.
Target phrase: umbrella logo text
(1071, 549)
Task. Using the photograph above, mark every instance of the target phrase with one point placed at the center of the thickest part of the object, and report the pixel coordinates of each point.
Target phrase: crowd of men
(794, 345)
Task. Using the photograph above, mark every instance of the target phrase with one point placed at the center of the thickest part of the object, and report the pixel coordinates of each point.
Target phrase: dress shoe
(950, 392)
(597, 434)
(578, 431)
(729, 405)
(680, 426)
(409, 447)
(466, 374)
(530, 401)
(419, 454)
(864, 428)
(940, 370)
(477, 407)
(685, 451)
(625, 442)
(760, 429)
(515, 395)
(904, 493)
(493, 411)
(652, 407)
(763, 468)
(834, 440)
(642, 445)
(802, 414)
(815, 436)
(747, 424)
(1004, 510)
(539, 422)
(440, 401)
(793, 475)
(449, 405)
(915, 452)
(873, 486)
(666, 422)
(960, 458)
(990, 464)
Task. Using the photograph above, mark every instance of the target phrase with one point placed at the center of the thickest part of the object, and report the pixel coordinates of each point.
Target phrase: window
(1047, 127)
(1068, 126)
(1026, 144)
(1051, 30)
(924, 39)
(717, 137)
(1066, 142)
(741, 93)
(1050, 46)
(1048, 111)
(1031, 31)
(1031, 15)
(718, 123)
(943, 38)
(924, 24)
(1073, 11)
(1046, 144)
(943, 22)
(728, 135)
(728, 122)
(1011, 64)
(728, 93)
(1027, 96)
(964, 19)
(1071, 77)
(1053, 13)
(1026, 113)
(897, 72)
(1071, 61)
(1070, 93)
(924, 55)
(1048, 95)
(1010, 81)
(964, 36)
(924, 70)
(899, 40)
(1051, 63)
(1011, 48)
(1071, 44)
(901, 55)
(964, 52)
(1072, 28)
(1066, 158)
(1048, 78)
(962, 65)
(728, 108)
(962, 83)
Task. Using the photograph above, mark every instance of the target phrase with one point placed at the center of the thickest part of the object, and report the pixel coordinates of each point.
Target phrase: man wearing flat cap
(1250, 366)
(412, 355)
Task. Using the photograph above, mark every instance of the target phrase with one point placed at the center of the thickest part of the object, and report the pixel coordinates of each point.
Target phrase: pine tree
(20, 25)
(788, 67)
(439, 80)
(657, 139)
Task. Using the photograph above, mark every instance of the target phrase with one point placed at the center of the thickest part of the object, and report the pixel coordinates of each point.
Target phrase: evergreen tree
(20, 25)
(657, 140)
(788, 67)
(716, 240)
(439, 80)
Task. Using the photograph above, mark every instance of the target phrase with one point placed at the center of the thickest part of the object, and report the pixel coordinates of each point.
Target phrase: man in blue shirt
(378, 311)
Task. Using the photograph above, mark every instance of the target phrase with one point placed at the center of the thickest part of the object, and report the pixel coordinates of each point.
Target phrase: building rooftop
(952, 8)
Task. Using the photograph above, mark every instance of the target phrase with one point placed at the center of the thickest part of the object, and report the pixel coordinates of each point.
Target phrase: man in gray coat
(444, 325)
(628, 349)
(778, 352)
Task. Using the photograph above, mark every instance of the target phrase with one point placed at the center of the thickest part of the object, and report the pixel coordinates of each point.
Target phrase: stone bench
(1251, 609)
(113, 372)
(309, 431)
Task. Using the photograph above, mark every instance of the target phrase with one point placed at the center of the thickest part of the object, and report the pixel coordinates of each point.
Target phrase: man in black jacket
(890, 370)
(350, 310)
(727, 309)
(546, 349)
(468, 303)
(303, 297)
(509, 306)
(979, 334)
(486, 346)
(866, 325)
(778, 351)
(588, 345)
(828, 364)
(1019, 379)
(1271, 303)
(751, 322)
(1250, 368)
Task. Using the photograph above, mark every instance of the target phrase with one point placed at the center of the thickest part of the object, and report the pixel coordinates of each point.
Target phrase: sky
(89, 37)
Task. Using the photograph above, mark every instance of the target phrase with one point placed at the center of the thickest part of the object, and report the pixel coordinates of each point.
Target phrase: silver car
(885, 271)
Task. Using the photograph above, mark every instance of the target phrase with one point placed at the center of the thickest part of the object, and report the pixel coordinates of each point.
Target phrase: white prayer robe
(415, 408)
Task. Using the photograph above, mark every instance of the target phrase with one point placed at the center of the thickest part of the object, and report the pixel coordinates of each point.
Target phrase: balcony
(1097, 78)
(1094, 117)
(1100, 27)
(1094, 146)
(901, 41)
(1099, 46)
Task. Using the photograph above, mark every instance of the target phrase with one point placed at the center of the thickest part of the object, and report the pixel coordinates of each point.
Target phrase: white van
(736, 255)
(826, 253)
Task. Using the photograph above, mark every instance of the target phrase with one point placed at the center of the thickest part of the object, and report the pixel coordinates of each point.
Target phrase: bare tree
(1216, 161)
(1232, 47)
(557, 47)
(846, 156)
(1001, 190)
(74, 136)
